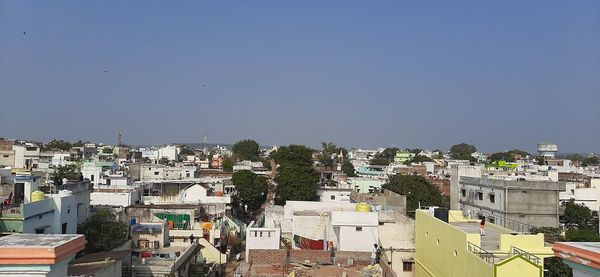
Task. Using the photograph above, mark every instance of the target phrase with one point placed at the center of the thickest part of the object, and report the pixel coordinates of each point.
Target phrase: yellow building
(455, 248)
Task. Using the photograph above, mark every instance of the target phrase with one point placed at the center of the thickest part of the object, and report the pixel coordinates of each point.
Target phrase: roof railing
(482, 254)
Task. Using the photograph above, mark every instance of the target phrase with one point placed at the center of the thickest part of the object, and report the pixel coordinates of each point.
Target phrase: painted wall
(441, 250)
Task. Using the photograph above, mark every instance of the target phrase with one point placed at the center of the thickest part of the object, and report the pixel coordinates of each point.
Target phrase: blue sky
(500, 75)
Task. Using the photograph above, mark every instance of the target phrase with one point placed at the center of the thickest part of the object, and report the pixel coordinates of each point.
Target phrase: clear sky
(497, 74)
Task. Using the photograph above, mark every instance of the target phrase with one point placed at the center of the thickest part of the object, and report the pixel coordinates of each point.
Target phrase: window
(5, 156)
(492, 198)
(269, 234)
(463, 192)
(155, 172)
(39, 230)
(523, 191)
(92, 177)
(522, 216)
(358, 229)
(64, 228)
(187, 175)
(333, 197)
(480, 195)
(108, 182)
(261, 234)
(407, 266)
(69, 210)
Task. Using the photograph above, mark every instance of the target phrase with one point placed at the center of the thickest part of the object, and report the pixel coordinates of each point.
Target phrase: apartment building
(503, 200)
(449, 244)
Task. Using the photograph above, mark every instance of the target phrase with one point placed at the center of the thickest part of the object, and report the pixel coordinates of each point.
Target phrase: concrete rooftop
(489, 242)
(36, 240)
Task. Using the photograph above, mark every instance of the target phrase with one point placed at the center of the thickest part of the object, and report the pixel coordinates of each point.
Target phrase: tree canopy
(246, 150)
(508, 156)
(57, 145)
(582, 234)
(103, 232)
(296, 178)
(576, 215)
(186, 151)
(227, 164)
(385, 157)
(348, 168)
(329, 155)
(462, 151)
(418, 159)
(251, 189)
(68, 171)
(417, 189)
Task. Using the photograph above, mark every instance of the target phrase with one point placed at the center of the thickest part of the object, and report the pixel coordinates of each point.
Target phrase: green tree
(582, 234)
(227, 164)
(462, 151)
(418, 159)
(246, 150)
(556, 268)
(296, 178)
(592, 160)
(79, 143)
(348, 168)
(103, 232)
(508, 156)
(576, 215)
(186, 151)
(329, 155)
(501, 156)
(251, 189)
(57, 145)
(417, 190)
(385, 157)
(163, 161)
(61, 172)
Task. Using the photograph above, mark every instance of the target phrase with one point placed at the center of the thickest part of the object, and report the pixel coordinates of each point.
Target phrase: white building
(26, 155)
(115, 197)
(356, 231)
(587, 196)
(261, 238)
(170, 152)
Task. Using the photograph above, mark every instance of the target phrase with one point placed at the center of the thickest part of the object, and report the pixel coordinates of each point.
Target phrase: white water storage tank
(65, 192)
(547, 149)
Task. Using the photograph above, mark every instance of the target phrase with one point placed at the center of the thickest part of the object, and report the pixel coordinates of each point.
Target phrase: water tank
(65, 192)
(363, 207)
(547, 149)
(37, 196)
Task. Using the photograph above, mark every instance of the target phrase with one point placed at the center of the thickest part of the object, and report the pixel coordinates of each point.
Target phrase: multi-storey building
(449, 244)
(502, 200)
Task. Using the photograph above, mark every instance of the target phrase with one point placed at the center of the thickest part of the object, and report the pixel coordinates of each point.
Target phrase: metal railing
(482, 254)
(531, 257)
(520, 227)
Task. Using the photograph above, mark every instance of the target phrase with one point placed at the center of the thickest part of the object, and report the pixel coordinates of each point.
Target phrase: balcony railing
(532, 258)
(482, 254)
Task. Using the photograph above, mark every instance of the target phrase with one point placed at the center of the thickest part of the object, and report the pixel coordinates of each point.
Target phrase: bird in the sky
(106, 70)
(24, 33)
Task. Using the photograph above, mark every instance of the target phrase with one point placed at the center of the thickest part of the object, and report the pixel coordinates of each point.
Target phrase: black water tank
(441, 214)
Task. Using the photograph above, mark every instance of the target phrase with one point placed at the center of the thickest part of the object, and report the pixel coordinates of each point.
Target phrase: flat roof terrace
(490, 242)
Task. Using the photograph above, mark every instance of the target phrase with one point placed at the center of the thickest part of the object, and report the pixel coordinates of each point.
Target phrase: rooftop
(89, 265)
(490, 242)
(36, 240)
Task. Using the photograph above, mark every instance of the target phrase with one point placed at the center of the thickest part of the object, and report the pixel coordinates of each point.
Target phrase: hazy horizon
(499, 75)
